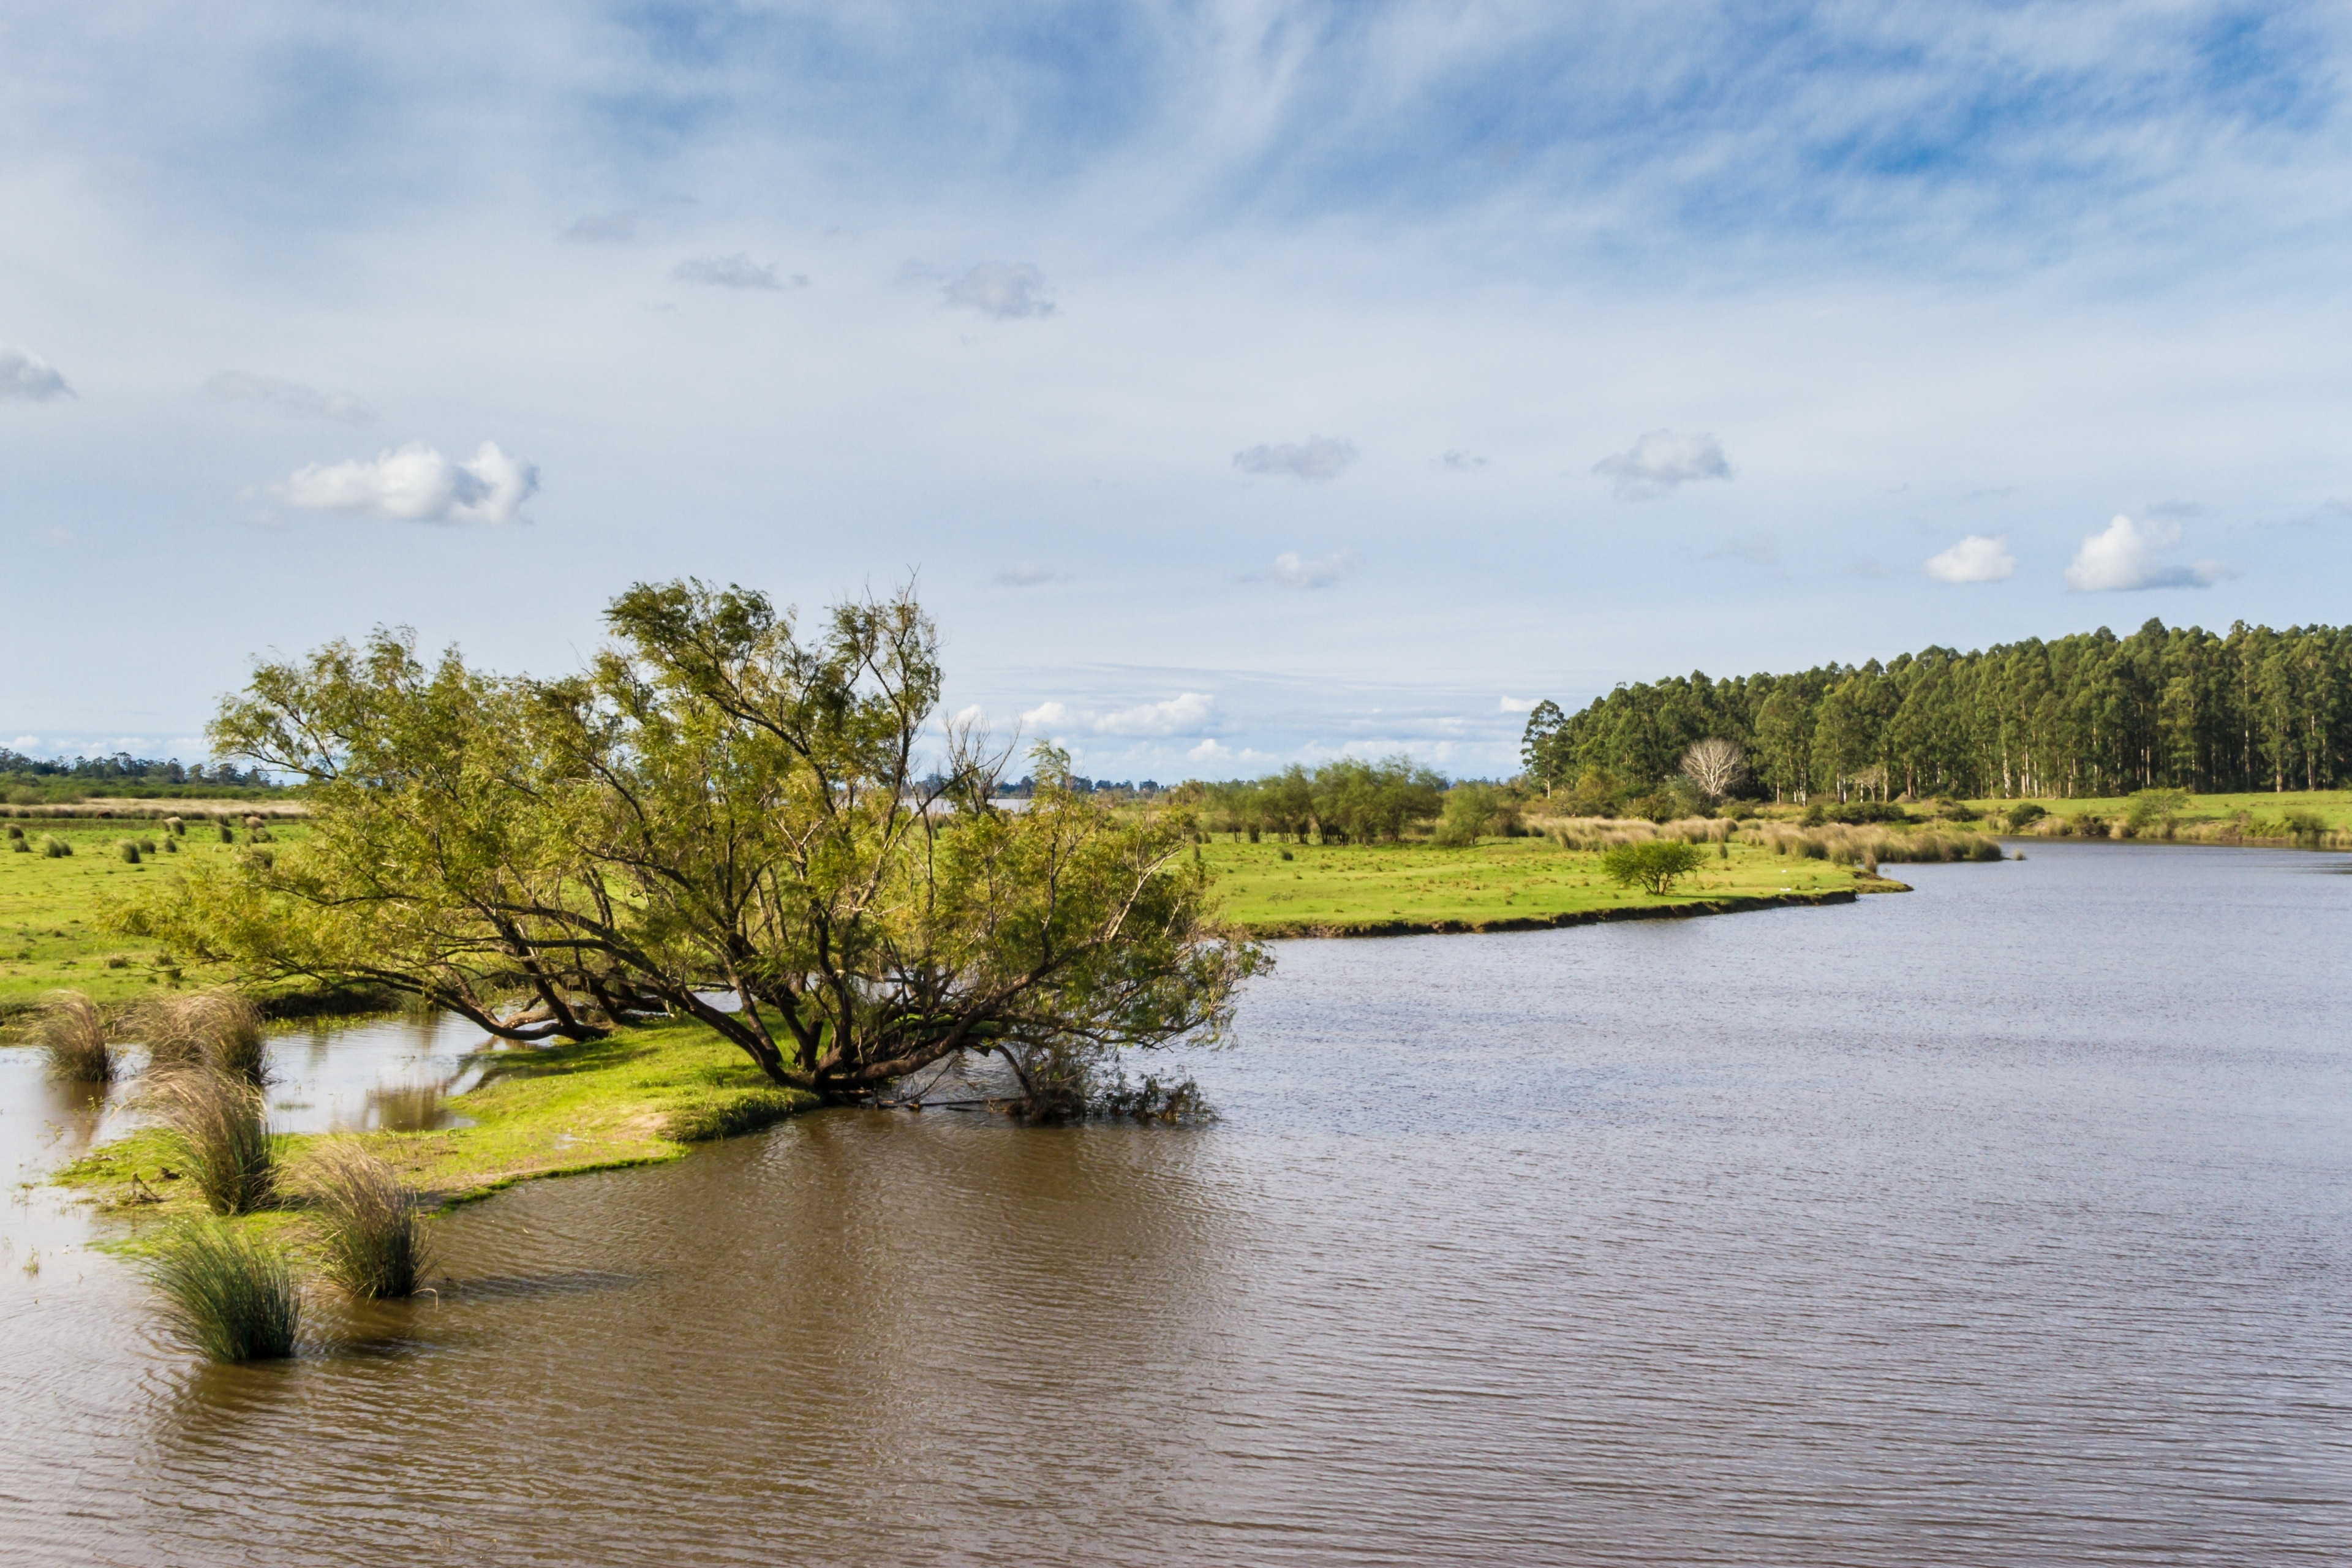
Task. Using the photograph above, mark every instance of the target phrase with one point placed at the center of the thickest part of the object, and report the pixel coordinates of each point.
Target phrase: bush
(373, 1238)
(2154, 807)
(2305, 827)
(71, 1032)
(2024, 814)
(1653, 864)
(127, 849)
(220, 1124)
(229, 1296)
(55, 847)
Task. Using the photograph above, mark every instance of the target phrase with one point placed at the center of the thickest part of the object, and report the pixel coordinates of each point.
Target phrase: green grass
(645, 1095)
(1341, 888)
(229, 1294)
(49, 931)
(2333, 806)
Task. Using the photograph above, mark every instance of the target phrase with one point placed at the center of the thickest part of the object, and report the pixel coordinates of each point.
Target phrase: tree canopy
(2092, 714)
(720, 817)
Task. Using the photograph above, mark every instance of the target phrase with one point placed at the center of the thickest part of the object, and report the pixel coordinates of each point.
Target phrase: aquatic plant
(72, 1033)
(221, 1125)
(217, 1027)
(229, 1296)
(372, 1237)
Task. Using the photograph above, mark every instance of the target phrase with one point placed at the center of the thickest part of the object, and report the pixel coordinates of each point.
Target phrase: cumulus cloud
(1661, 461)
(287, 397)
(2124, 556)
(736, 271)
(1979, 558)
(1292, 570)
(1316, 458)
(417, 484)
(1008, 290)
(1028, 574)
(1516, 705)
(1184, 713)
(26, 376)
(603, 228)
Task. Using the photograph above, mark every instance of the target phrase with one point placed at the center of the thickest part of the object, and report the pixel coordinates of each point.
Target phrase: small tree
(1715, 767)
(1651, 866)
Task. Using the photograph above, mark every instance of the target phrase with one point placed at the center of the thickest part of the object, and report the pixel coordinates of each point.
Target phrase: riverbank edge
(1288, 930)
(644, 1096)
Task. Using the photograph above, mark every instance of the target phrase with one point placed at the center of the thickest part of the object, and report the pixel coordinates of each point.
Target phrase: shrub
(2305, 827)
(219, 1122)
(55, 847)
(2024, 814)
(1653, 866)
(171, 847)
(371, 1233)
(227, 834)
(229, 1297)
(127, 849)
(2153, 807)
(71, 1032)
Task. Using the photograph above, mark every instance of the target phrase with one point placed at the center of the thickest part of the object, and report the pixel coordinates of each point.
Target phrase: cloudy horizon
(1239, 384)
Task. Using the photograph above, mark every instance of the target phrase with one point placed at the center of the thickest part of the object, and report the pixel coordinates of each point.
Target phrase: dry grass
(371, 1233)
(72, 1033)
(217, 1028)
(219, 1126)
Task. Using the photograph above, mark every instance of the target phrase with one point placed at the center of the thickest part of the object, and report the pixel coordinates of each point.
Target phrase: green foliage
(718, 802)
(2024, 814)
(371, 1226)
(1652, 864)
(1342, 802)
(2305, 827)
(1475, 810)
(2088, 715)
(228, 1295)
(2150, 808)
(218, 1125)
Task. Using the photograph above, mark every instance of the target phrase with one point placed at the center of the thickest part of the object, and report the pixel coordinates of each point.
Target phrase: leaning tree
(722, 817)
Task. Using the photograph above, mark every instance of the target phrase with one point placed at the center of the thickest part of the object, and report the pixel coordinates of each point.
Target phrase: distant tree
(1716, 766)
(1652, 864)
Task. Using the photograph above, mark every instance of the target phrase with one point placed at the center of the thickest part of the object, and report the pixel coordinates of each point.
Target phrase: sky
(1238, 383)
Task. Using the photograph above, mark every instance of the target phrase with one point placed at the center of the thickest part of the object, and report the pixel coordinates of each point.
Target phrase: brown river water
(2006, 1222)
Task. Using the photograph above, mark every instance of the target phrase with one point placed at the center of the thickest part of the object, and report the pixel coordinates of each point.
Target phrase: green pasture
(2333, 806)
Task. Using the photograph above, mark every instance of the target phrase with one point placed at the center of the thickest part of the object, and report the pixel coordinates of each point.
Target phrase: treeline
(1343, 802)
(25, 780)
(2092, 714)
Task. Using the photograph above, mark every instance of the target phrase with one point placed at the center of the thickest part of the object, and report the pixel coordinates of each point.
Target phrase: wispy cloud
(1316, 458)
(1661, 460)
(416, 484)
(1292, 570)
(1186, 713)
(736, 271)
(603, 228)
(2126, 556)
(287, 397)
(1458, 462)
(1979, 558)
(1008, 290)
(26, 377)
(1028, 574)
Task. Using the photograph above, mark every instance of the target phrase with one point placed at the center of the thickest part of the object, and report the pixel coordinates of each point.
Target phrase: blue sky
(1241, 383)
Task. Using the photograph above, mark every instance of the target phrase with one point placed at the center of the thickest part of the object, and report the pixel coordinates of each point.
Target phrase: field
(2259, 815)
(49, 930)
(1300, 890)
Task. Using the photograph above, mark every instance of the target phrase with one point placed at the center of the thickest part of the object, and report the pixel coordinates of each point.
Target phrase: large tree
(723, 818)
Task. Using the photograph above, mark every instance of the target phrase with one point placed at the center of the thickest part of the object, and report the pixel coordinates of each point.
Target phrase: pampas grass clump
(71, 1032)
(55, 847)
(221, 1125)
(217, 1028)
(127, 849)
(372, 1237)
(228, 1296)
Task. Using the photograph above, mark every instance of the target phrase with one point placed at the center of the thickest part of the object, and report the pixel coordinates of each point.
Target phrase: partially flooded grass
(72, 1035)
(218, 1126)
(370, 1223)
(230, 1295)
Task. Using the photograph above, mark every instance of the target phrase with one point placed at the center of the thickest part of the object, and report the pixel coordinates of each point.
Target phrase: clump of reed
(175, 826)
(128, 849)
(17, 842)
(55, 847)
(228, 1295)
(220, 1124)
(72, 1033)
(1867, 846)
(217, 1028)
(227, 834)
(372, 1240)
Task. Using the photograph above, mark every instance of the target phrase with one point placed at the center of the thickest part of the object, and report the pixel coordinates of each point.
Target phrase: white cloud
(603, 228)
(1292, 570)
(287, 396)
(1184, 713)
(417, 484)
(1660, 461)
(1009, 290)
(972, 714)
(1318, 457)
(1979, 558)
(2123, 556)
(24, 743)
(1028, 574)
(736, 271)
(27, 376)
(1516, 705)
(58, 537)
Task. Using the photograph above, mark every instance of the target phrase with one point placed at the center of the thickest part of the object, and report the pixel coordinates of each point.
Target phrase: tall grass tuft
(228, 1296)
(227, 834)
(175, 826)
(373, 1233)
(127, 849)
(55, 847)
(217, 1028)
(221, 1125)
(71, 1032)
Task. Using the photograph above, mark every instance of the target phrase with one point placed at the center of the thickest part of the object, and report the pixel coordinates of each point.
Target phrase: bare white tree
(1715, 766)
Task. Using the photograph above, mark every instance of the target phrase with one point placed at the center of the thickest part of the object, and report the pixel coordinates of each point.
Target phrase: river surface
(2006, 1222)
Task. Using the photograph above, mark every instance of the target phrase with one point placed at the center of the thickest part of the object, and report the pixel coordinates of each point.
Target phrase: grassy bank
(2260, 817)
(646, 1095)
(1310, 890)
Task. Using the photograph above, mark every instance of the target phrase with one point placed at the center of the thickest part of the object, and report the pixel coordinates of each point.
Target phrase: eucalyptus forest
(2089, 714)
